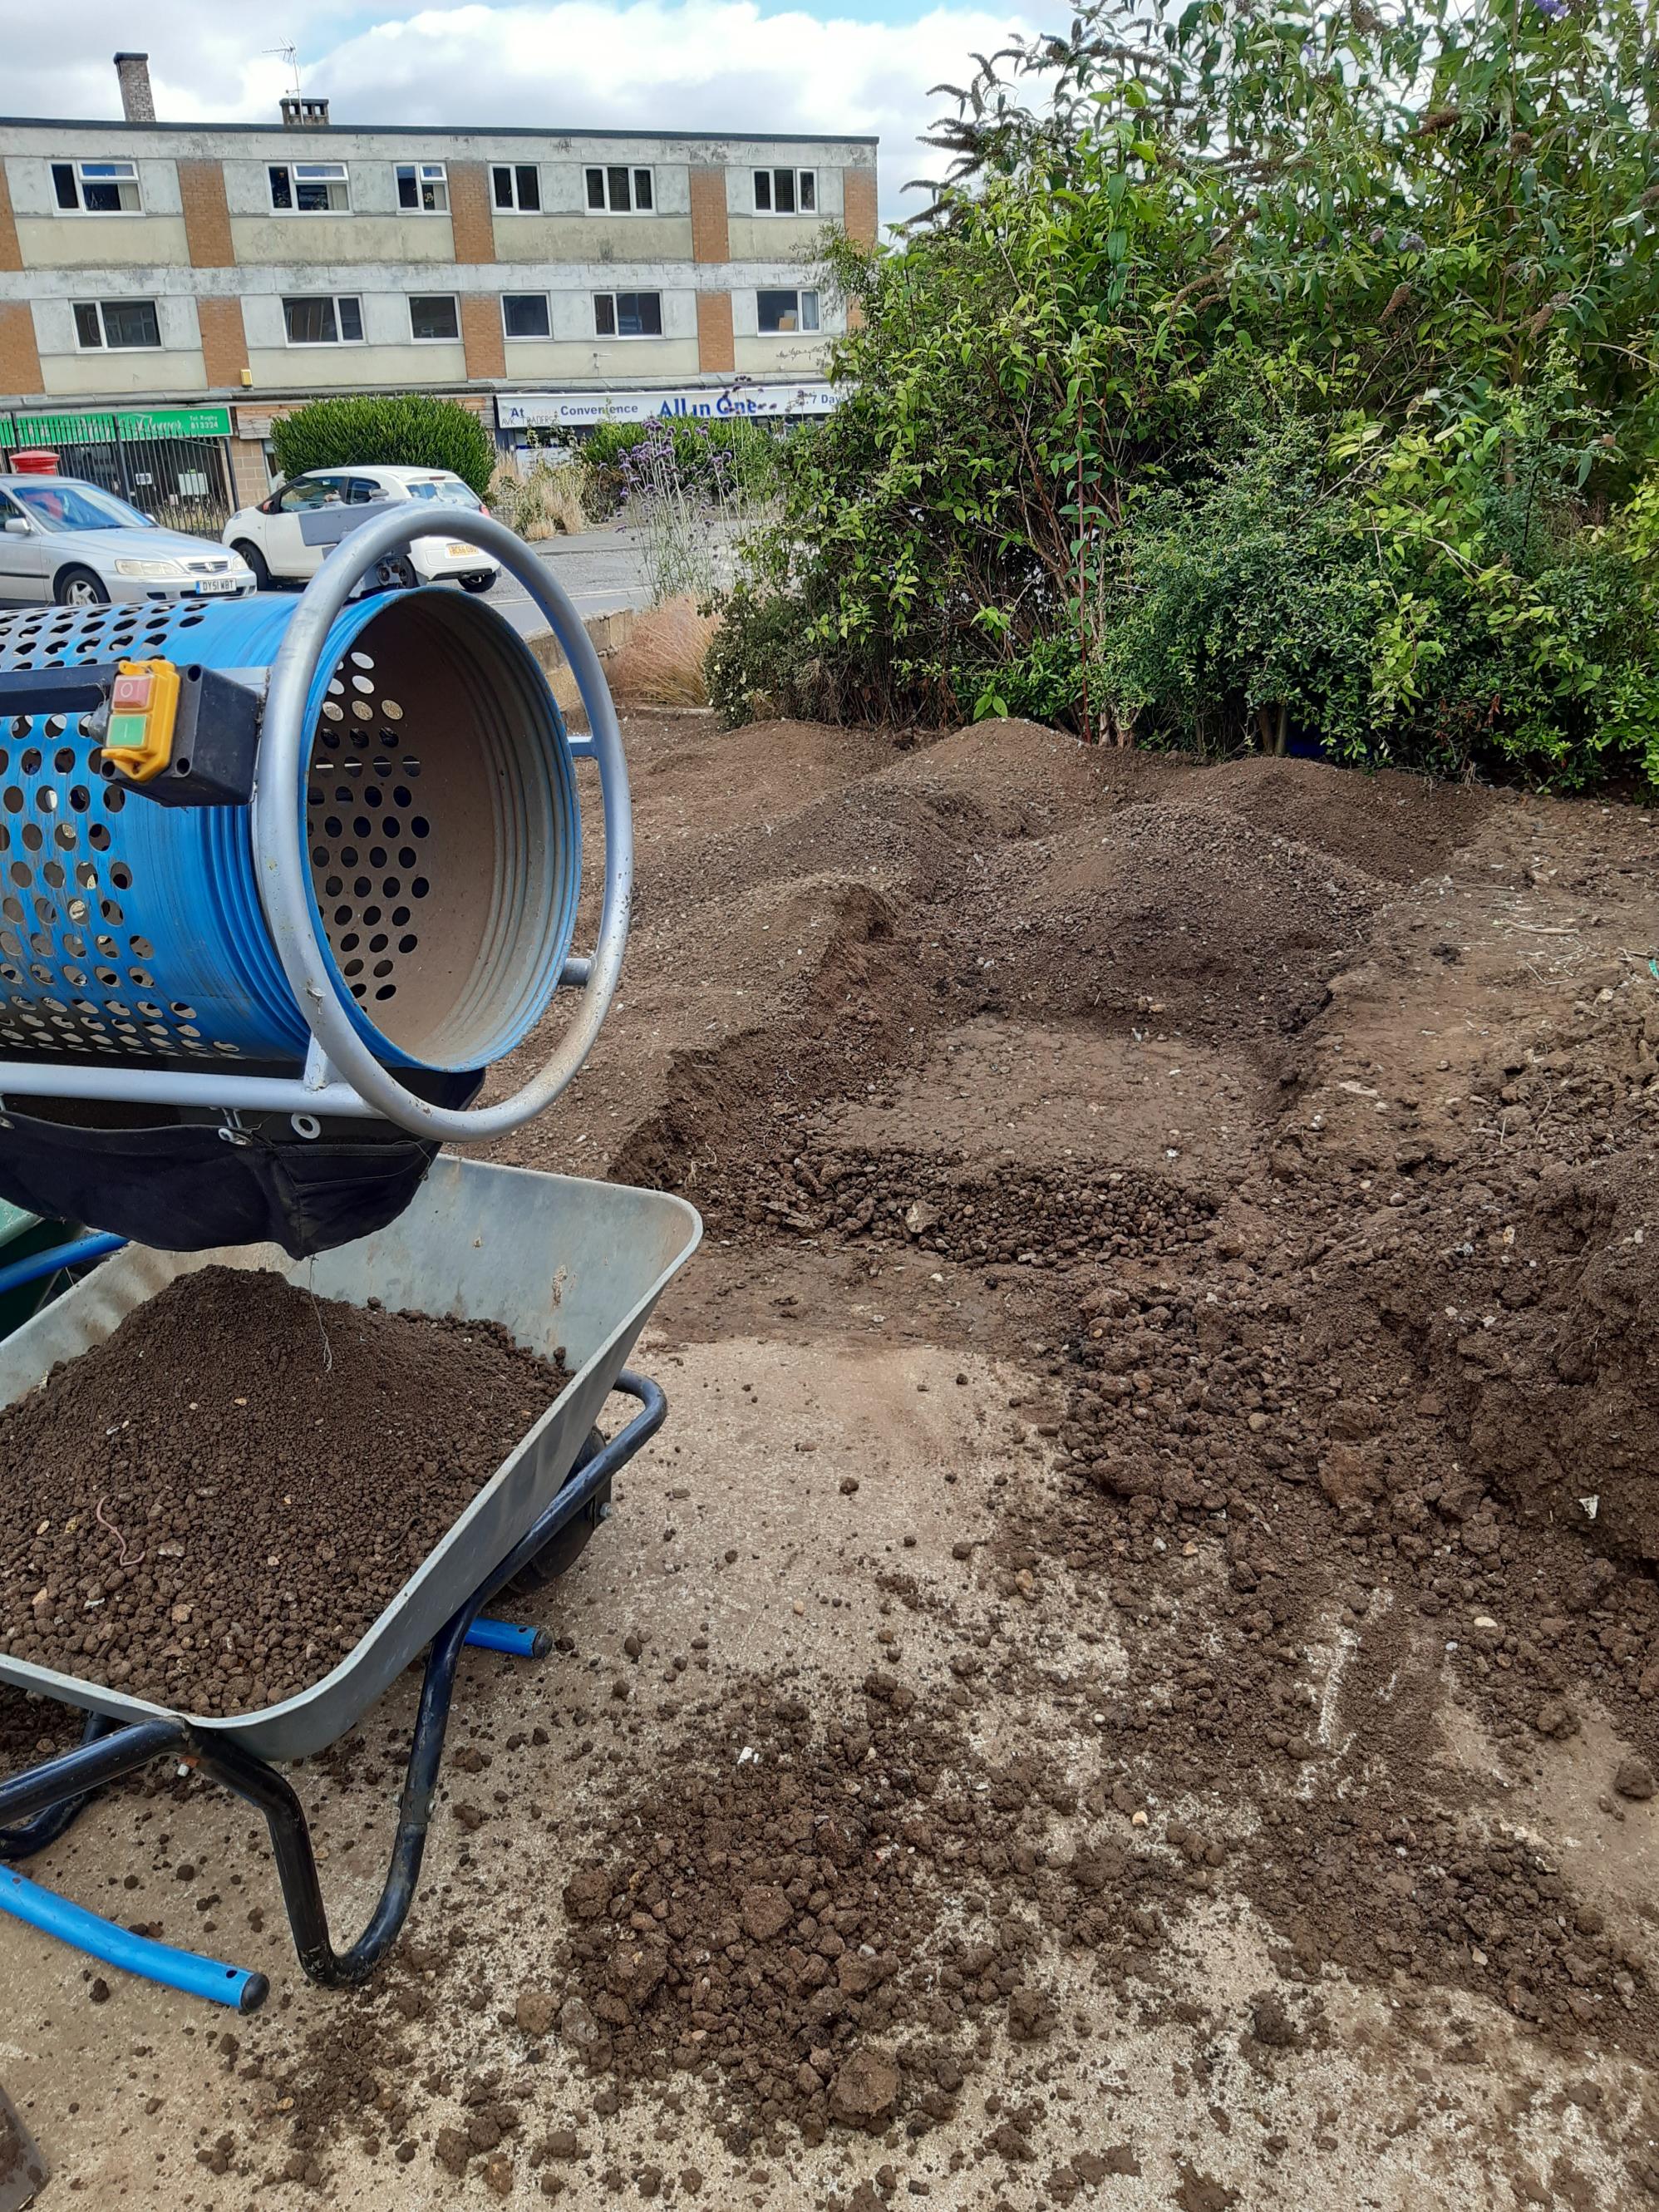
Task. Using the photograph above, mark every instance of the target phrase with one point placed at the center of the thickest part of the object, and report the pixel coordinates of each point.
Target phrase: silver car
(67, 541)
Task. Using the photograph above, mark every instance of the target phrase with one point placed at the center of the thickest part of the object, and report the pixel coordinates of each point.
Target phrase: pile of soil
(212, 1506)
(1212, 1737)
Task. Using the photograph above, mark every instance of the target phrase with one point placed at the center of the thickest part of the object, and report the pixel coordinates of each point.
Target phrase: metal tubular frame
(40, 1803)
(348, 1080)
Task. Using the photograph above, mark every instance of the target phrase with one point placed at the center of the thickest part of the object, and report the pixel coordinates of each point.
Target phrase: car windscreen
(77, 507)
(450, 490)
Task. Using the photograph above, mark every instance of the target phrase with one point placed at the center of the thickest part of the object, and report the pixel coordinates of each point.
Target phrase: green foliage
(706, 459)
(1262, 375)
(411, 430)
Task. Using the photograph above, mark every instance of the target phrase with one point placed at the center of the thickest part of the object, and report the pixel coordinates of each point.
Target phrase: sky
(857, 66)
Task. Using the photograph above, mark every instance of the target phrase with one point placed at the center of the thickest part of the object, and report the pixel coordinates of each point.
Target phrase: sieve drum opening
(442, 831)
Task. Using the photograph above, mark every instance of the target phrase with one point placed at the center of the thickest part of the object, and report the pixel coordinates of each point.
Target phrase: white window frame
(327, 172)
(771, 175)
(801, 294)
(103, 344)
(527, 338)
(632, 171)
(115, 173)
(511, 206)
(423, 174)
(617, 335)
(454, 337)
(322, 345)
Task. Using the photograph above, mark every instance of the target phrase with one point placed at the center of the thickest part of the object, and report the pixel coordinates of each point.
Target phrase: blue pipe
(61, 1255)
(506, 1635)
(26, 1901)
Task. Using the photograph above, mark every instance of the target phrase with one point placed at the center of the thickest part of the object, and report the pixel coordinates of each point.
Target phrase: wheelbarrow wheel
(561, 1554)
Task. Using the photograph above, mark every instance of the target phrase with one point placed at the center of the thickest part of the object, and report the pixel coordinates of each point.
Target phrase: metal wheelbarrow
(559, 1262)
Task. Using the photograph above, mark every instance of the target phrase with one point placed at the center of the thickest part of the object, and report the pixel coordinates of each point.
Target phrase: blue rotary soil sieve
(437, 802)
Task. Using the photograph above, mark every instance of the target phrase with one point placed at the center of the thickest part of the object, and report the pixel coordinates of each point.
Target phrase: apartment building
(167, 282)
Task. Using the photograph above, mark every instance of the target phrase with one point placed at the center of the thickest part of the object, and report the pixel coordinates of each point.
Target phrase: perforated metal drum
(439, 813)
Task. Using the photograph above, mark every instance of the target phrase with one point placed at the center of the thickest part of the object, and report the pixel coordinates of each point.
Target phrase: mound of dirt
(210, 1507)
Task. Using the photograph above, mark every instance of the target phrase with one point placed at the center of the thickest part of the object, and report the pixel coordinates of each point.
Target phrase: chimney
(133, 72)
(302, 112)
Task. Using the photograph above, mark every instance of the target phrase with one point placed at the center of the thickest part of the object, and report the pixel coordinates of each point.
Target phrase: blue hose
(61, 1255)
(26, 1901)
(504, 1635)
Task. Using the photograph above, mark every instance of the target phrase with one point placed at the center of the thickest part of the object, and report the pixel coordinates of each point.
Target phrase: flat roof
(322, 132)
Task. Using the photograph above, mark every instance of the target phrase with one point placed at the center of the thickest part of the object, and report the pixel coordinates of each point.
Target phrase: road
(603, 570)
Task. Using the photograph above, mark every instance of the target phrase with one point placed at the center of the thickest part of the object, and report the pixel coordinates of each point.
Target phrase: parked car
(287, 537)
(75, 543)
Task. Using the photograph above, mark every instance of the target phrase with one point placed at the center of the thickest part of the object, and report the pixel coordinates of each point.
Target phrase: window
(448, 491)
(620, 191)
(524, 315)
(628, 314)
(321, 321)
(786, 191)
(433, 317)
(96, 187)
(310, 188)
(781, 312)
(423, 186)
(78, 506)
(116, 326)
(307, 494)
(518, 186)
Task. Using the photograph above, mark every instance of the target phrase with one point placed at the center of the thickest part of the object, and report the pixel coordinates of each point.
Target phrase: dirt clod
(1634, 1779)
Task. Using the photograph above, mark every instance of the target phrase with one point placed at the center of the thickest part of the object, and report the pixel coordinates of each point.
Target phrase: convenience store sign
(104, 429)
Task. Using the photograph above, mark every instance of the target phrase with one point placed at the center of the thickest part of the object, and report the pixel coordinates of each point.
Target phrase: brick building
(194, 280)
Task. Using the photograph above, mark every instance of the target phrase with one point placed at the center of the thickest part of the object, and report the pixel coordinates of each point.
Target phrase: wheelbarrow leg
(274, 1795)
(290, 1837)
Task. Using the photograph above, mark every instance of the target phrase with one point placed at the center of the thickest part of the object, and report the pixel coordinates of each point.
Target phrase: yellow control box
(144, 708)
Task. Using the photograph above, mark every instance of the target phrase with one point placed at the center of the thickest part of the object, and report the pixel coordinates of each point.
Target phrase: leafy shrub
(408, 430)
(1260, 376)
(756, 667)
(707, 459)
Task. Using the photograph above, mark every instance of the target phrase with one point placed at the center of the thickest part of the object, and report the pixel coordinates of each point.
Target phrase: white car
(288, 537)
(64, 540)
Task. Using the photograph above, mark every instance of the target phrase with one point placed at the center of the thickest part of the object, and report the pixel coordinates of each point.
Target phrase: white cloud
(691, 65)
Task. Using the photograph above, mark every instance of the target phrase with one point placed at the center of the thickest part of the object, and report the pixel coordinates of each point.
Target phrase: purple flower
(1553, 10)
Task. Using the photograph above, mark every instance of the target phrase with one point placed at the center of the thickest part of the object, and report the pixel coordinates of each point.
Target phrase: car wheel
(255, 560)
(79, 587)
(478, 583)
(396, 572)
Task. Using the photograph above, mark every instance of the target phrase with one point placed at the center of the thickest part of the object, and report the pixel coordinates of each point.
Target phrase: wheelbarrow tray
(562, 1264)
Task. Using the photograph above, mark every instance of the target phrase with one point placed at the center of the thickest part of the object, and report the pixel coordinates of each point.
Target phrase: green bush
(1261, 377)
(711, 460)
(409, 430)
(756, 668)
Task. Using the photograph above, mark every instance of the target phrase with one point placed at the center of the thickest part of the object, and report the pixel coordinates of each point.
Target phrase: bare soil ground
(1130, 1678)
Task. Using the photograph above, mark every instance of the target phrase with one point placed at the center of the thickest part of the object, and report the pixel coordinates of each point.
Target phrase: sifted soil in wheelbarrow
(210, 1507)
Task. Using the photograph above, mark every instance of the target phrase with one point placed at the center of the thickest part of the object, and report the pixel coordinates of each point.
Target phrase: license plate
(459, 552)
(216, 583)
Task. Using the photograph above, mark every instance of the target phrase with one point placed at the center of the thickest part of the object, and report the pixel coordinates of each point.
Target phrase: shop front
(172, 463)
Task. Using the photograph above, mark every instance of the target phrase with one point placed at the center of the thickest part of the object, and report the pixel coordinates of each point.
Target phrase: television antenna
(290, 54)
